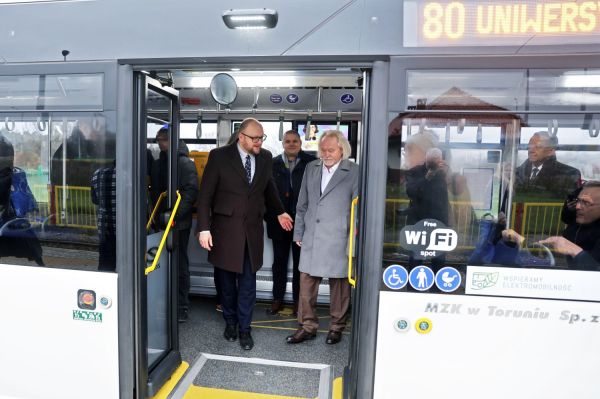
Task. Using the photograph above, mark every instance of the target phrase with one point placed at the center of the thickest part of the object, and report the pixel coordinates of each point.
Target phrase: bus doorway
(309, 101)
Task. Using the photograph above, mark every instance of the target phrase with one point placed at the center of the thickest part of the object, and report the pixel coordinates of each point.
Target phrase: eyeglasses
(255, 139)
(584, 203)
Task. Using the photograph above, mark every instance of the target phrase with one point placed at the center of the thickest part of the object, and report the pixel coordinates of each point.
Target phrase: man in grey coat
(321, 229)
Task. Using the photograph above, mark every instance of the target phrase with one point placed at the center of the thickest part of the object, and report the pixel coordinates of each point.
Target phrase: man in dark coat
(541, 175)
(187, 184)
(580, 240)
(288, 169)
(236, 186)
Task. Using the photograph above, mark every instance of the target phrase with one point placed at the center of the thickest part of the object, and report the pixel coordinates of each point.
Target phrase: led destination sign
(476, 23)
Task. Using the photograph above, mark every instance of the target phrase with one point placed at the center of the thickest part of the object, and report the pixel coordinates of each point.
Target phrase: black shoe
(230, 333)
(299, 336)
(333, 337)
(182, 315)
(246, 341)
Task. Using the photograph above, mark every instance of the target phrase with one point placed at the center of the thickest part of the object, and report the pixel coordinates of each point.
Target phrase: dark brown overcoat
(233, 210)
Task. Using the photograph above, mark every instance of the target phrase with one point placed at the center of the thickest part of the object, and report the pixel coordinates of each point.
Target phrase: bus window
(58, 192)
(500, 184)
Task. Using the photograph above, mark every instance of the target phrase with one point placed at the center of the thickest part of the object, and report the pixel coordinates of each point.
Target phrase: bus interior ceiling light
(260, 18)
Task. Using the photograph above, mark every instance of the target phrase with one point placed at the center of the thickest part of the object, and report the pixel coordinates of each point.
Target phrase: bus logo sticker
(402, 324)
(421, 278)
(427, 238)
(448, 279)
(84, 315)
(347, 98)
(275, 98)
(86, 299)
(292, 98)
(481, 280)
(395, 277)
(423, 325)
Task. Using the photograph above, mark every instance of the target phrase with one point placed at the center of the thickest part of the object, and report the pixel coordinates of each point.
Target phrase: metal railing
(74, 207)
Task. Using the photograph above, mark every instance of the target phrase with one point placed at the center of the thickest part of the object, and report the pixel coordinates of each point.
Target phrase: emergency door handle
(151, 268)
(351, 280)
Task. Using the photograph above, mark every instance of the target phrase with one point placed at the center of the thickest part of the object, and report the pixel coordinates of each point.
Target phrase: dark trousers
(107, 252)
(238, 294)
(184, 269)
(217, 287)
(281, 253)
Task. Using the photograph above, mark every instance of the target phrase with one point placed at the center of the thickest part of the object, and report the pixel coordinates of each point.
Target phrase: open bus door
(157, 349)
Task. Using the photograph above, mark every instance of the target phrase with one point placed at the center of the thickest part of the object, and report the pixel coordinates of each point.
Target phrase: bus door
(157, 349)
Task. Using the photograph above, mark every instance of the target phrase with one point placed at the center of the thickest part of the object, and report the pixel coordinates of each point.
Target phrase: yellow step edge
(195, 392)
(166, 389)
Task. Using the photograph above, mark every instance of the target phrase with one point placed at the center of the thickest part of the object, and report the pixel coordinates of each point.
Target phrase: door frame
(149, 381)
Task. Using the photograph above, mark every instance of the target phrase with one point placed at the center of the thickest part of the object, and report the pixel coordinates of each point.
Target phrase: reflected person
(17, 238)
(104, 196)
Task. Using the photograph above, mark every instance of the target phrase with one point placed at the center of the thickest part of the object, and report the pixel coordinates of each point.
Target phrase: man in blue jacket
(288, 169)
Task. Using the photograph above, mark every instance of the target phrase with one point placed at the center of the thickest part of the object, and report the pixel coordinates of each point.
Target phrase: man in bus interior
(288, 170)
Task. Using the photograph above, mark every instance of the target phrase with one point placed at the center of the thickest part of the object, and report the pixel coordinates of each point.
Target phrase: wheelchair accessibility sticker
(448, 279)
(421, 278)
(395, 277)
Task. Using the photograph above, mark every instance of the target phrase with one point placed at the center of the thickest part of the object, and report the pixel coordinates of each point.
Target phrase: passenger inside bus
(580, 240)
(542, 175)
(187, 185)
(288, 171)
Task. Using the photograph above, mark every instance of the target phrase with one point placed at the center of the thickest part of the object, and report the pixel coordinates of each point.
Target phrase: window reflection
(58, 177)
(503, 215)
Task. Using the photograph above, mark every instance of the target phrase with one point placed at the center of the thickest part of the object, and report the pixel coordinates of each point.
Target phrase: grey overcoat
(323, 220)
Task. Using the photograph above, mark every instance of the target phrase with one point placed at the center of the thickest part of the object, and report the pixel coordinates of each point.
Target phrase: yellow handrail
(351, 280)
(150, 269)
(158, 201)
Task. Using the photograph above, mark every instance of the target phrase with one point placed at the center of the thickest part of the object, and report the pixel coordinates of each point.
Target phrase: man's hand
(510, 235)
(562, 245)
(299, 243)
(286, 221)
(205, 239)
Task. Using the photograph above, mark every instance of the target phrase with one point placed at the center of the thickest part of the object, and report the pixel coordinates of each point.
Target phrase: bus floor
(203, 333)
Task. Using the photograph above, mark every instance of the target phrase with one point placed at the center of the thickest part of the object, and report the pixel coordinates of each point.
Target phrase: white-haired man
(541, 175)
(321, 229)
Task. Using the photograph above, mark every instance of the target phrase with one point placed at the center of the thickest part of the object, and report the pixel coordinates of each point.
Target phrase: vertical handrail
(351, 280)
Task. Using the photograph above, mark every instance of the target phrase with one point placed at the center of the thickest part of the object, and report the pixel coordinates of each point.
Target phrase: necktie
(534, 173)
(248, 169)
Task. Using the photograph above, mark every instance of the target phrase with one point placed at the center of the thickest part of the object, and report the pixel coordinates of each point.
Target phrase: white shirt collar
(243, 152)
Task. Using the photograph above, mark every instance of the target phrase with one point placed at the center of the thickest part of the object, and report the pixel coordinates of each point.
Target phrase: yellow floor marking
(170, 384)
(212, 393)
(195, 392)
(291, 329)
(273, 321)
(338, 388)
